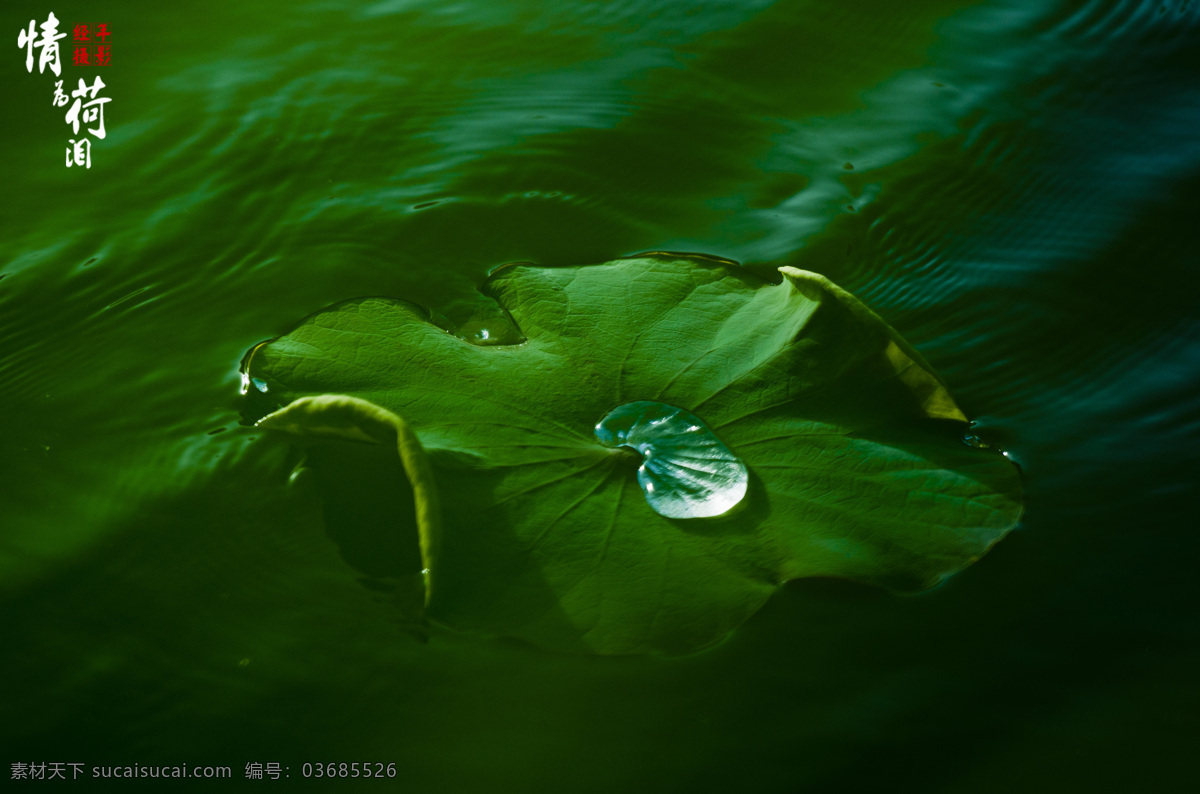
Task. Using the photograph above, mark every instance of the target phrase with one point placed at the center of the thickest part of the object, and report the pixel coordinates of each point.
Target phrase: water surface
(1012, 185)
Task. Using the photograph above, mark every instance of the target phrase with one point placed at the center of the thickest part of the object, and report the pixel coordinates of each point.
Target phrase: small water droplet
(259, 384)
(686, 471)
(972, 440)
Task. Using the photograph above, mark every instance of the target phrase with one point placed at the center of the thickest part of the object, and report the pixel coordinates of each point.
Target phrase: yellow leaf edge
(910, 366)
(343, 416)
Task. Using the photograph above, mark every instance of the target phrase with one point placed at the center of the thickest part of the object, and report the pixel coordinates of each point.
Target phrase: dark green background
(1013, 185)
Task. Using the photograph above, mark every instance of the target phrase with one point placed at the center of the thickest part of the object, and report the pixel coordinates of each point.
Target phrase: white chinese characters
(87, 110)
(92, 111)
(79, 152)
(47, 44)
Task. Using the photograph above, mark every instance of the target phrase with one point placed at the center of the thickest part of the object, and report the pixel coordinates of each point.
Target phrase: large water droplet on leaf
(686, 471)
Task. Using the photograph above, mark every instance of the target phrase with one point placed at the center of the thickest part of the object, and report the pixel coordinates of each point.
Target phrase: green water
(1012, 185)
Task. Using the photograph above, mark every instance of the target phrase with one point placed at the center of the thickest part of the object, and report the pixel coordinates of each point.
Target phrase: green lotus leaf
(846, 447)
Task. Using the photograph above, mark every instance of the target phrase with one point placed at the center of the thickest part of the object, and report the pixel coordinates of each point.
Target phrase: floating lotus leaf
(833, 448)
